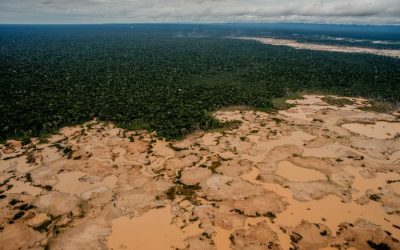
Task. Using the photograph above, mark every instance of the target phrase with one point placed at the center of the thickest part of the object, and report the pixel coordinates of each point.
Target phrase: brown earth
(323, 47)
(316, 176)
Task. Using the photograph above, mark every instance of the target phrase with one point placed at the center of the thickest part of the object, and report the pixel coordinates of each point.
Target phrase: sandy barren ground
(316, 176)
(322, 47)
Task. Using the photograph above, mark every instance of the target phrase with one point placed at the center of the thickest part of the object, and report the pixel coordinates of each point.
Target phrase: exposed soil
(324, 47)
(316, 176)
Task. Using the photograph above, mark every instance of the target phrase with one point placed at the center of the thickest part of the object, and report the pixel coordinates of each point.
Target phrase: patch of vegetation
(44, 138)
(295, 237)
(375, 197)
(30, 158)
(181, 189)
(317, 120)
(177, 179)
(18, 215)
(281, 104)
(137, 125)
(207, 235)
(232, 239)
(380, 106)
(131, 138)
(25, 207)
(270, 215)
(238, 211)
(380, 246)
(25, 140)
(223, 126)
(67, 151)
(188, 191)
(5, 181)
(14, 201)
(340, 102)
(44, 226)
(232, 124)
(12, 157)
(194, 219)
(277, 120)
(214, 166)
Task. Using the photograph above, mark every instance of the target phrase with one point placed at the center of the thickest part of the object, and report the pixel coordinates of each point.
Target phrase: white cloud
(108, 11)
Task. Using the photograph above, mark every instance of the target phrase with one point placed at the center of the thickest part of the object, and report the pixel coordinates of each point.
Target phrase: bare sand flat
(322, 47)
(316, 176)
(380, 130)
(295, 173)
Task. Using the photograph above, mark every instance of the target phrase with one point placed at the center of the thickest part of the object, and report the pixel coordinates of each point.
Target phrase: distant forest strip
(162, 79)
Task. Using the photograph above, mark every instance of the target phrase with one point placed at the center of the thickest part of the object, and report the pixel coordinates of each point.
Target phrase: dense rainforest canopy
(163, 77)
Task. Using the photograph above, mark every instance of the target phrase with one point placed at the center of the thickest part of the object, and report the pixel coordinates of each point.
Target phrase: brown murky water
(361, 184)
(153, 230)
(320, 211)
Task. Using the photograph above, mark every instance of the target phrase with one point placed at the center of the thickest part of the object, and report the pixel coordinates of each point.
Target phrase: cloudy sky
(117, 11)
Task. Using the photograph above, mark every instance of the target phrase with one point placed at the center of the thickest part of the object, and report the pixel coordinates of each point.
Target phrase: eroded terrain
(324, 47)
(315, 176)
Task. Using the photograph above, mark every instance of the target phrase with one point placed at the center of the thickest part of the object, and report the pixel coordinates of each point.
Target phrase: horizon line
(209, 23)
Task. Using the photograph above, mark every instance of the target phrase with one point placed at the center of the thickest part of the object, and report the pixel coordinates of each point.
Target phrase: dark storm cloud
(100, 11)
